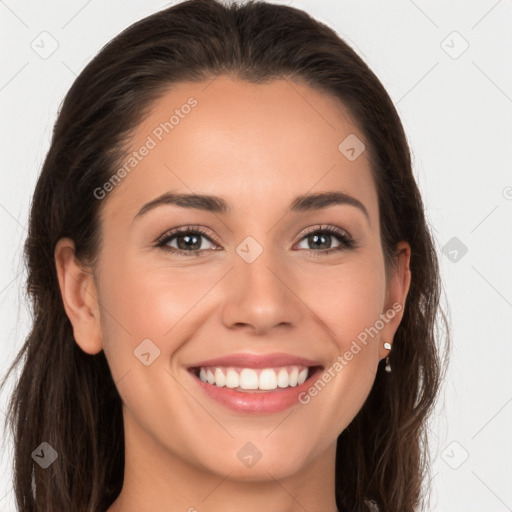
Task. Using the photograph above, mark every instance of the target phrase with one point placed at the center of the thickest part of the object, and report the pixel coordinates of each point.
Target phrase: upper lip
(251, 360)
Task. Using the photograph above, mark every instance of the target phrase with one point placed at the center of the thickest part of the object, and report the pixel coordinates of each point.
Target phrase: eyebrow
(215, 204)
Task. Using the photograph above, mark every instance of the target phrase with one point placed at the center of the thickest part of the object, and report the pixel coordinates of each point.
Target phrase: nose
(260, 296)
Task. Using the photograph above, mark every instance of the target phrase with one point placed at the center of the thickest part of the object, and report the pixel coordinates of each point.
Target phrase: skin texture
(257, 146)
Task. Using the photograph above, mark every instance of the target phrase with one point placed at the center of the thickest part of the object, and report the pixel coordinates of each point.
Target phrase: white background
(457, 113)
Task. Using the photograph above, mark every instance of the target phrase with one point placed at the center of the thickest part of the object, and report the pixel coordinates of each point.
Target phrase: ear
(79, 295)
(397, 288)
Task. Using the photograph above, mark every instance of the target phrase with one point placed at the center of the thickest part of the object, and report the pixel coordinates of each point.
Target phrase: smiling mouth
(255, 380)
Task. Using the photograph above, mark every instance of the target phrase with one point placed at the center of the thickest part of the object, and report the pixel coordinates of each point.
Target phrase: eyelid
(186, 229)
(346, 241)
(325, 227)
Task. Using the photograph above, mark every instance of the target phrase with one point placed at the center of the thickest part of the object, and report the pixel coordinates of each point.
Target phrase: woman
(291, 364)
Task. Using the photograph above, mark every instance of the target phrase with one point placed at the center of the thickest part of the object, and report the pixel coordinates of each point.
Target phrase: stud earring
(388, 347)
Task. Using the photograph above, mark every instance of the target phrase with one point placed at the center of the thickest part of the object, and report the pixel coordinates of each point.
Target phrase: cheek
(132, 309)
(148, 319)
(143, 300)
(140, 295)
(347, 298)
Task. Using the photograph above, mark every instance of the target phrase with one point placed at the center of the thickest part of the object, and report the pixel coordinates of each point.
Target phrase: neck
(157, 480)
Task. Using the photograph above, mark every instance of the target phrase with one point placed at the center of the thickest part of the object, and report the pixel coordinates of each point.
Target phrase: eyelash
(346, 241)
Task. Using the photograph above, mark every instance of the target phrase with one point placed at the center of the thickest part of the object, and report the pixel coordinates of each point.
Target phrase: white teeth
(268, 379)
(282, 378)
(303, 374)
(232, 379)
(292, 377)
(220, 380)
(250, 378)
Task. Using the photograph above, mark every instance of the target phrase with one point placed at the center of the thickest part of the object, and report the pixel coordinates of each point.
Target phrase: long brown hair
(66, 397)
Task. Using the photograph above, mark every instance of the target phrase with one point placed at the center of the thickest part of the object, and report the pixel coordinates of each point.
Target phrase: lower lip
(267, 402)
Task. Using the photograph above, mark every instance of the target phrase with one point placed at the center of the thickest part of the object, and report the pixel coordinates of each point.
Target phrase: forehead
(243, 141)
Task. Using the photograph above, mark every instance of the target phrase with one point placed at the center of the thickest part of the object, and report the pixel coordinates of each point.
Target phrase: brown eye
(323, 238)
(187, 241)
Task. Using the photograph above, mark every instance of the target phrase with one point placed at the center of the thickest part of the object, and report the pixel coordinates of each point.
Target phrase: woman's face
(266, 275)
